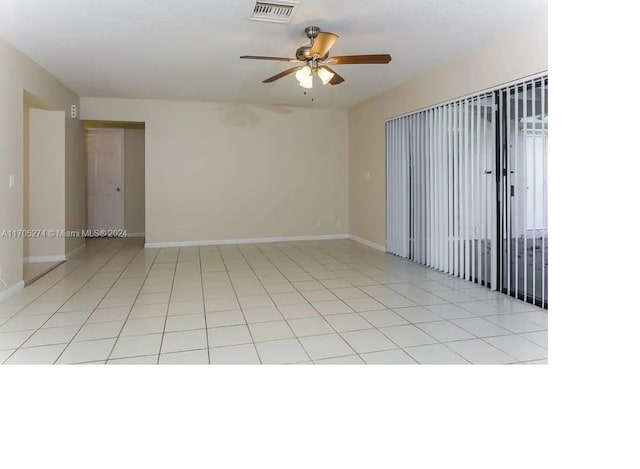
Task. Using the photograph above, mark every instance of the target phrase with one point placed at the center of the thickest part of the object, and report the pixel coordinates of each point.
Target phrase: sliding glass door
(467, 189)
(523, 114)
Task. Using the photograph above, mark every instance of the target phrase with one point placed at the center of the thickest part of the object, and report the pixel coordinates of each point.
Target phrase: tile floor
(322, 302)
(33, 271)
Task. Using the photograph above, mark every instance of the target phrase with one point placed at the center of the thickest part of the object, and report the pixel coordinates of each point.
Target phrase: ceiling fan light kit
(315, 59)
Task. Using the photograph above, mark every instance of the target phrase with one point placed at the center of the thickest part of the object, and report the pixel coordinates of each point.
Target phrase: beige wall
(217, 171)
(18, 74)
(43, 180)
(134, 180)
(514, 56)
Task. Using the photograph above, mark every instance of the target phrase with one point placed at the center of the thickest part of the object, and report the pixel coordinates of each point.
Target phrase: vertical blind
(467, 188)
(440, 194)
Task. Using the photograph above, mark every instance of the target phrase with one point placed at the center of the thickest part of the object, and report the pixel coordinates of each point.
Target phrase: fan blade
(359, 59)
(282, 74)
(322, 43)
(336, 79)
(259, 57)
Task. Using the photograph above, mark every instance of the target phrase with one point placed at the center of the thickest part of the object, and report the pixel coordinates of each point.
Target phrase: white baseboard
(12, 290)
(135, 235)
(366, 242)
(56, 258)
(181, 244)
(75, 252)
(36, 259)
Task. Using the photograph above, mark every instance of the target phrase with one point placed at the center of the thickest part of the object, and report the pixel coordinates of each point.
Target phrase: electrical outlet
(12, 180)
(339, 223)
(178, 228)
(317, 223)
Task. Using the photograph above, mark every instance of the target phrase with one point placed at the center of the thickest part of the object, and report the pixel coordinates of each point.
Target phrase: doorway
(105, 181)
(44, 150)
(115, 154)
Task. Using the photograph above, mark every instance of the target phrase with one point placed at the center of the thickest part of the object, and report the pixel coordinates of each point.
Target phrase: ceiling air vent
(274, 12)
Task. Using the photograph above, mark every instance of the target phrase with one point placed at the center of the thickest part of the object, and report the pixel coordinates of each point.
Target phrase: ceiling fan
(315, 59)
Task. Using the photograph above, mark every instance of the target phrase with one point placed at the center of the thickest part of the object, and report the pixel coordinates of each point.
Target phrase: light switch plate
(12, 180)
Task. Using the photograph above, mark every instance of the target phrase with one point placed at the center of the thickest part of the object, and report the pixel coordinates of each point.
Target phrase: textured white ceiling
(189, 49)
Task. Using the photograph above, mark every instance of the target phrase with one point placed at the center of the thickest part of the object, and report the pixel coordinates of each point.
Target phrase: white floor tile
(325, 346)
(140, 360)
(308, 285)
(450, 311)
(192, 357)
(154, 310)
(81, 352)
(221, 304)
(143, 326)
(185, 322)
(368, 341)
(364, 304)
(108, 314)
(76, 318)
(454, 296)
(436, 354)
(514, 323)
(388, 357)
(332, 307)
(348, 322)
(51, 336)
(348, 360)
(234, 355)
(407, 335)
(319, 296)
(384, 318)
(480, 327)
(25, 323)
(417, 314)
(257, 301)
(262, 314)
(445, 331)
(101, 330)
(13, 340)
(274, 330)
(134, 346)
(517, 347)
(4, 354)
(39, 308)
(281, 352)
(537, 362)
(336, 283)
(45, 355)
(229, 335)
(292, 298)
(538, 338)
(311, 326)
(180, 308)
(395, 301)
(298, 311)
(225, 318)
(349, 293)
(183, 341)
(478, 351)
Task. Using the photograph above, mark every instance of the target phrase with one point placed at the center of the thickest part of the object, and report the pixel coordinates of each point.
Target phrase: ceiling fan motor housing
(304, 52)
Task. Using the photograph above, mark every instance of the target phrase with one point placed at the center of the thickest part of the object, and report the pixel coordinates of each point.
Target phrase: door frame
(121, 137)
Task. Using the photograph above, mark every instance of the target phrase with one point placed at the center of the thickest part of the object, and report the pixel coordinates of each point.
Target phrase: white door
(105, 183)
